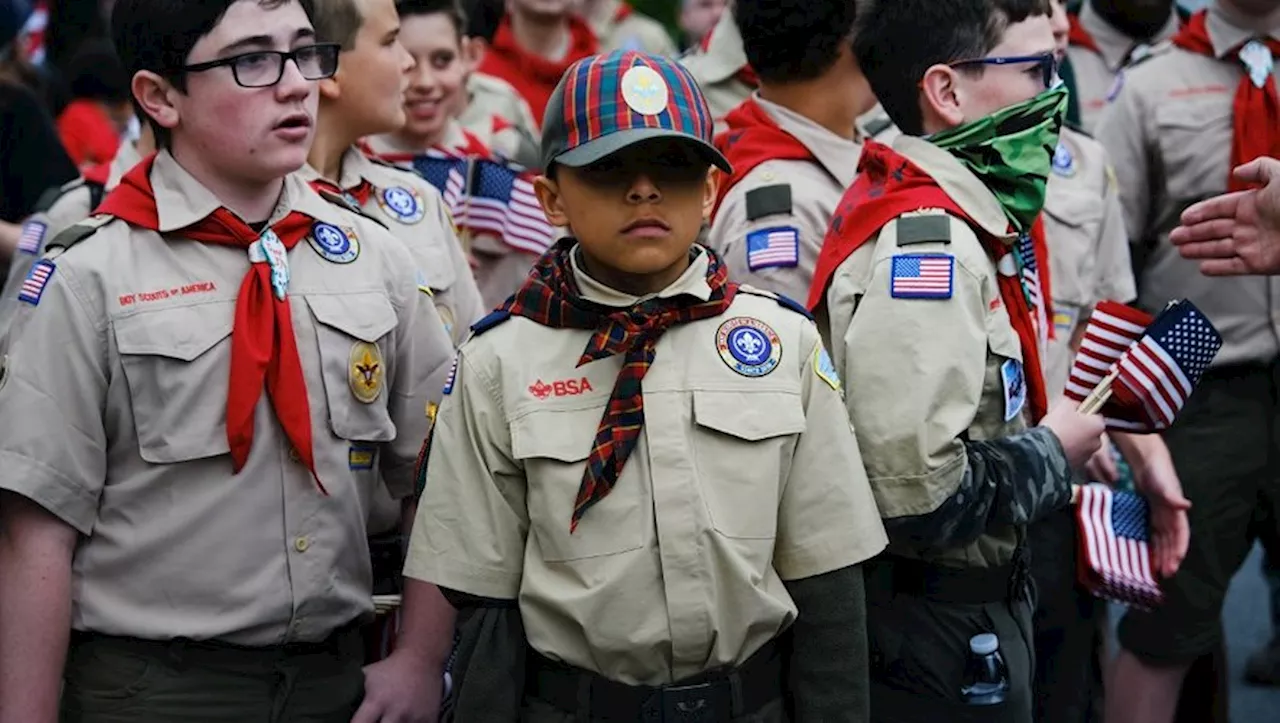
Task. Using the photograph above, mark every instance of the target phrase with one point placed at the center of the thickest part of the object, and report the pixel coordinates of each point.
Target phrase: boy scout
(926, 288)
(1105, 37)
(491, 104)
(794, 146)
(618, 497)
(720, 66)
(217, 370)
(620, 27)
(1187, 114)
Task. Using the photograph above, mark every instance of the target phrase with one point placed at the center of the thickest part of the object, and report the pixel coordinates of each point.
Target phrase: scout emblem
(1015, 388)
(1257, 58)
(432, 410)
(333, 243)
(33, 286)
(365, 372)
(32, 237)
(644, 91)
(922, 276)
(748, 346)
(402, 203)
(825, 369)
(1064, 164)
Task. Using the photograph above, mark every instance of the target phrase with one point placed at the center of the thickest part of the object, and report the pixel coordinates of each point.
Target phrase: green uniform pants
(118, 680)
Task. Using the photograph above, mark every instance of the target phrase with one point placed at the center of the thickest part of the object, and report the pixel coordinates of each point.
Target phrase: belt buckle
(686, 704)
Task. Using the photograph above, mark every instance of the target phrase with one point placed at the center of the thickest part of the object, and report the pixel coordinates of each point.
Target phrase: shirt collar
(181, 200)
(839, 156)
(692, 282)
(1115, 45)
(1228, 29)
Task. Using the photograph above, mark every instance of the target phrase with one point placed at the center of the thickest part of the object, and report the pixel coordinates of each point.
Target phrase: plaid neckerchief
(550, 297)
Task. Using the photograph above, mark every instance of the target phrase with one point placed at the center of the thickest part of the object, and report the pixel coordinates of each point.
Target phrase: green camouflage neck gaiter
(1011, 151)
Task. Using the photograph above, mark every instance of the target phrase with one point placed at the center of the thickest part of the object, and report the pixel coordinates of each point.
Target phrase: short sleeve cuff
(61, 496)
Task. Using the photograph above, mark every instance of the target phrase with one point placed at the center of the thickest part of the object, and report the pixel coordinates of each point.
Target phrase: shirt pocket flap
(1002, 339)
(749, 415)
(1073, 209)
(365, 316)
(438, 269)
(182, 333)
(566, 435)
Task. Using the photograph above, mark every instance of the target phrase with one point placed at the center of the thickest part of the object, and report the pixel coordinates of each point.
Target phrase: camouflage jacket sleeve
(1010, 481)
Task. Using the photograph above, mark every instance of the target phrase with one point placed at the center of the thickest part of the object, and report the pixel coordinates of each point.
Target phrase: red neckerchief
(746, 73)
(1080, 37)
(1256, 110)
(888, 185)
(534, 76)
(752, 138)
(472, 147)
(498, 124)
(263, 347)
(623, 12)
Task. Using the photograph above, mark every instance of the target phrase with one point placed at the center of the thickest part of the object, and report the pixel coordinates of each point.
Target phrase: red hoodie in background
(532, 75)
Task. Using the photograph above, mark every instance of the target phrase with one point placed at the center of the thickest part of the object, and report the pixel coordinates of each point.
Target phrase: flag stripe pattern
(32, 238)
(922, 276)
(1031, 284)
(1115, 551)
(1158, 374)
(773, 248)
(1112, 329)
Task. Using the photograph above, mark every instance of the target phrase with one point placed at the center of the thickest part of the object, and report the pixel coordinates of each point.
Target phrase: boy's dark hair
(96, 73)
(409, 8)
(157, 35)
(898, 40)
(483, 18)
(337, 21)
(789, 41)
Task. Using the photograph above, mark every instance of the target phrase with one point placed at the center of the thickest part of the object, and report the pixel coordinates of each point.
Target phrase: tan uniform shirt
(716, 69)
(751, 214)
(492, 98)
(113, 411)
(1088, 247)
(1169, 135)
(924, 373)
(634, 32)
(1100, 75)
(736, 484)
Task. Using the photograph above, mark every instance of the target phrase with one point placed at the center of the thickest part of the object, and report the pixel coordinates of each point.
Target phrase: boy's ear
(940, 96)
(330, 88)
(552, 202)
(157, 97)
(709, 191)
(473, 50)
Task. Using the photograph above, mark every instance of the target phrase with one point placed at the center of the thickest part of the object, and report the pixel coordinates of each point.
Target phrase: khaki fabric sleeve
(53, 439)
(1122, 131)
(1115, 267)
(71, 207)
(915, 370)
(827, 519)
(472, 519)
(729, 237)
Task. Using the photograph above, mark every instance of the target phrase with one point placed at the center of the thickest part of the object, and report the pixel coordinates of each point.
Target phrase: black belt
(713, 697)
(344, 640)
(958, 585)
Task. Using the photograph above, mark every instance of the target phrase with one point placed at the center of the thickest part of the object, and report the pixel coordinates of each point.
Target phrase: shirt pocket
(176, 362)
(351, 333)
(553, 445)
(1073, 220)
(1195, 147)
(743, 442)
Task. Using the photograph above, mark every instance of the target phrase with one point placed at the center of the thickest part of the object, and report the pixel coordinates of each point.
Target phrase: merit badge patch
(748, 346)
(333, 243)
(453, 374)
(37, 278)
(361, 456)
(644, 91)
(1015, 388)
(1064, 164)
(825, 369)
(402, 204)
(32, 238)
(365, 372)
(773, 248)
(922, 276)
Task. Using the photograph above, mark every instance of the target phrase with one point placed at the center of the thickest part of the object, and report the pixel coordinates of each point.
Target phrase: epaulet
(490, 321)
(785, 302)
(78, 232)
(342, 202)
(924, 226)
(51, 195)
(768, 201)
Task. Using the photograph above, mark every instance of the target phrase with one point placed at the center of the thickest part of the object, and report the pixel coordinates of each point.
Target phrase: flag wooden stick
(1093, 403)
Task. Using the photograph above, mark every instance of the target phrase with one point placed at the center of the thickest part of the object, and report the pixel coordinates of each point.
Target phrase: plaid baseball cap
(606, 103)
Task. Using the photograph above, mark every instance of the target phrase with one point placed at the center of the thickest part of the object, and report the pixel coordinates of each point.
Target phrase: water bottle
(986, 677)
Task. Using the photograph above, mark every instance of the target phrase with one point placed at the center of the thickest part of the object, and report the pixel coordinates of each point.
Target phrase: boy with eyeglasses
(214, 373)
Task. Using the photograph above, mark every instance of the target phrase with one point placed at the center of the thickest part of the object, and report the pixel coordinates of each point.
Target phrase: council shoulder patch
(824, 368)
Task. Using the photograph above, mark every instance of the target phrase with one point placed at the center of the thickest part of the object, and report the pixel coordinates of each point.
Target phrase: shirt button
(301, 544)
(294, 456)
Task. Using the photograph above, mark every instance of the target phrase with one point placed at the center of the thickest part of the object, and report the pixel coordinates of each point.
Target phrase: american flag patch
(32, 237)
(771, 248)
(453, 374)
(33, 286)
(922, 276)
(1115, 552)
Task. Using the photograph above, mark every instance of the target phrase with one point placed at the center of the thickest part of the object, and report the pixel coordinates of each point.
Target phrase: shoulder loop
(785, 302)
(52, 194)
(493, 319)
(76, 233)
(768, 201)
(341, 202)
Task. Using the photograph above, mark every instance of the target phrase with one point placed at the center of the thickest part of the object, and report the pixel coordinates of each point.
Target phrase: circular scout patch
(403, 204)
(1064, 164)
(749, 346)
(644, 91)
(365, 371)
(334, 244)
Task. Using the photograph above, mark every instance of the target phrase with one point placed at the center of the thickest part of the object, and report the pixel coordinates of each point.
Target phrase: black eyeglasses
(263, 68)
(1047, 63)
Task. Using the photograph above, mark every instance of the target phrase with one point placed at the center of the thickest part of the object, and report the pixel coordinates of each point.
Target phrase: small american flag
(1112, 329)
(773, 248)
(435, 166)
(922, 276)
(33, 285)
(1031, 284)
(32, 238)
(502, 200)
(1159, 372)
(1115, 551)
